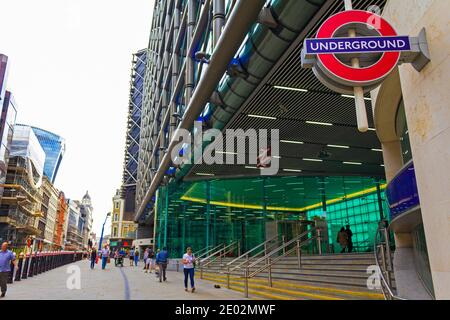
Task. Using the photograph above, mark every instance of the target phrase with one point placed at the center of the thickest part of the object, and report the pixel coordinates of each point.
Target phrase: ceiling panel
(292, 109)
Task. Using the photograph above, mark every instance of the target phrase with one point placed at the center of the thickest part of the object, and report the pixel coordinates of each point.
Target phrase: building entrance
(209, 213)
(292, 229)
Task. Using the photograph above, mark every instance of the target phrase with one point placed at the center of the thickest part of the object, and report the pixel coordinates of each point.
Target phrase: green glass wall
(209, 213)
(363, 216)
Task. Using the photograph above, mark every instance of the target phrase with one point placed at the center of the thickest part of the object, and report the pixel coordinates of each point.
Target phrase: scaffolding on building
(20, 203)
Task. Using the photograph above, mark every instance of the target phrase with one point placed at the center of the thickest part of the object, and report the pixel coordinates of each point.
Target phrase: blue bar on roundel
(357, 45)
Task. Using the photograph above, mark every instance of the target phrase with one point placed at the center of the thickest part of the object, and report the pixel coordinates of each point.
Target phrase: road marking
(127, 285)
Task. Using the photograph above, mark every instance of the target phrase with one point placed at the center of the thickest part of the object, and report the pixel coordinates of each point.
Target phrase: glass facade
(421, 258)
(7, 122)
(54, 147)
(208, 213)
(130, 173)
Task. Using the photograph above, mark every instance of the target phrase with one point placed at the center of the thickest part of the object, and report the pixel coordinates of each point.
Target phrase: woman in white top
(189, 269)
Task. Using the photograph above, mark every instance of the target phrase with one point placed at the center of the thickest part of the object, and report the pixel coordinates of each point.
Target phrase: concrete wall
(427, 98)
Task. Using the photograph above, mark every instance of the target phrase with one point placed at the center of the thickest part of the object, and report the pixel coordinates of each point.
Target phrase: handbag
(109, 259)
(96, 260)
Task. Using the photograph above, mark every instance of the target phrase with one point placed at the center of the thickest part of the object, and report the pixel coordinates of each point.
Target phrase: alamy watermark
(374, 279)
(73, 281)
(259, 148)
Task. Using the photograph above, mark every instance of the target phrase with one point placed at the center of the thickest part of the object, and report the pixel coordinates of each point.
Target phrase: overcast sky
(70, 74)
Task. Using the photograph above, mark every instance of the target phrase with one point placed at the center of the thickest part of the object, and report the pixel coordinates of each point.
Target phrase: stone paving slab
(113, 284)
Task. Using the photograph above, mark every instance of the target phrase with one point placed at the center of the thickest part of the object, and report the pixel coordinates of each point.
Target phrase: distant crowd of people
(152, 262)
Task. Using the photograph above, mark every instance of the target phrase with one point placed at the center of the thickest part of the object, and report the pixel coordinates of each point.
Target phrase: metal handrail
(247, 254)
(269, 262)
(282, 247)
(201, 252)
(222, 253)
(384, 246)
(218, 252)
(230, 270)
(207, 253)
(272, 262)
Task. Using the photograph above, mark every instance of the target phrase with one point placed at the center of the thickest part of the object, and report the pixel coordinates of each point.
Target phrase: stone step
(304, 265)
(300, 272)
(340, 279)
(296, 290)
(308, 260)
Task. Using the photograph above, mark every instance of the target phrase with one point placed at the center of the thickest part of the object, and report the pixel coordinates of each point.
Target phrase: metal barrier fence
(31, 265)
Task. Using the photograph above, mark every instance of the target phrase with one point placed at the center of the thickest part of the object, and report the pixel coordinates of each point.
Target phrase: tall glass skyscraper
(54, 147)
(130, 171)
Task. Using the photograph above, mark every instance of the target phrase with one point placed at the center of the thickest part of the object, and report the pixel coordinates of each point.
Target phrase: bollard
(50, 261)
(25, 267)
(11, 274)
(32, 265)
(46, 262)
(37, 264)
(19, 268)
(40, 263)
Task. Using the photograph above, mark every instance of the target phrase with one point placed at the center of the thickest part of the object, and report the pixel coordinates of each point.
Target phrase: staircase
(320, 277)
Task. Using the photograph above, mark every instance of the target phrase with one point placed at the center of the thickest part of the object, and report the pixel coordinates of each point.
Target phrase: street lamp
(103, 229)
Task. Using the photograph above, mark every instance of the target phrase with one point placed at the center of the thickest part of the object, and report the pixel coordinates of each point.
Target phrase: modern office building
(54, 147)
(3, 76)
(7, 121)
(132, 147)
(236, 65)
(321, 150)
(21, 203)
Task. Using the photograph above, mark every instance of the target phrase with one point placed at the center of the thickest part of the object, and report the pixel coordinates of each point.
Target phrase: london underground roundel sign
(374, 43)
(377, 71)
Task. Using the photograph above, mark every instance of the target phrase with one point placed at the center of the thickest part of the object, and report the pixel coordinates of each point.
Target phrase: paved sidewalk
(113, 284)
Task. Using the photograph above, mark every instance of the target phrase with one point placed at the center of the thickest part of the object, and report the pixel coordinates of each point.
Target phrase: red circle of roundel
(377, 71)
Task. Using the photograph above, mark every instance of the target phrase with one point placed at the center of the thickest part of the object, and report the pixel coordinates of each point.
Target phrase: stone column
(426, 97)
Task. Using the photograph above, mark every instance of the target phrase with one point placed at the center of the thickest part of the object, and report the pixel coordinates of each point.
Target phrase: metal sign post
(361, 112)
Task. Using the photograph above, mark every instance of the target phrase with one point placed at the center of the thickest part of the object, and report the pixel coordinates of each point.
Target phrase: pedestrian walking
(131, 252)
(6, 259)
(156, 265)
(105, 256)
(161, 261)
(349, 237)
(342, 239)
(136, 257)
(189, 269)
(93, 258)
(151, 260)
(116, 256)
(145, 259)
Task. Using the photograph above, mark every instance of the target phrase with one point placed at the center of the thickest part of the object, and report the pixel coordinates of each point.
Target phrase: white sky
(69, 71)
